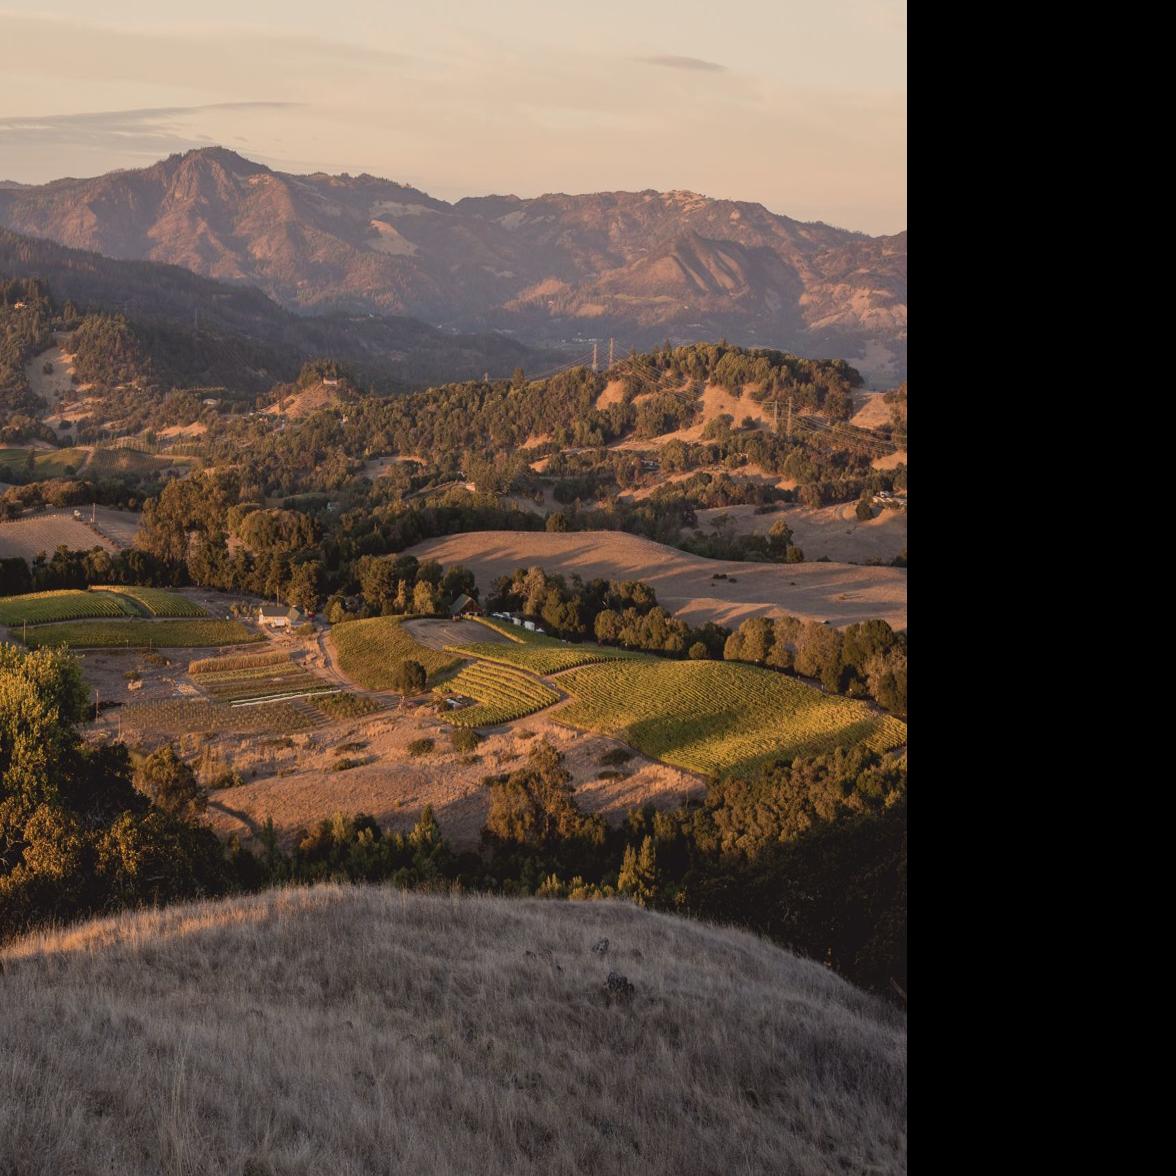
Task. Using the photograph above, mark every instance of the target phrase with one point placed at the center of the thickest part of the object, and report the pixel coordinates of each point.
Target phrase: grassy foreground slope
(358, 1030)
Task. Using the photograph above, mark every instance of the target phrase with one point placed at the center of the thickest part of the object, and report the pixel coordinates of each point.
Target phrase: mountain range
(238, 336)
(640, 266)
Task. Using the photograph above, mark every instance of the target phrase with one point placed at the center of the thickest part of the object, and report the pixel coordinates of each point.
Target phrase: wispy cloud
(143, 130)
(671, 61)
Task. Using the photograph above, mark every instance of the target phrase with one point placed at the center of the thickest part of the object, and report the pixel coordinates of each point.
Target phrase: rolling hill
(232, 334)
(686, 584)
(639, 265)
(364, 1029)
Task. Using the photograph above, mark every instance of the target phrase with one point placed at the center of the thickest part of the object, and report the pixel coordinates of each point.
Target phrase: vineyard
(344, 706)
(257, 682)
(712, 717)
(66, 604)
(178, 716)
(141, 634)
(237, 661)
(539, 653)
(369, 650)
(157, 602)
(502, 692)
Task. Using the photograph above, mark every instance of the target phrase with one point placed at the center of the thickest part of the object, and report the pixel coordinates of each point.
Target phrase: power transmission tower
(594, 357)
(790, 416)
(611, 350)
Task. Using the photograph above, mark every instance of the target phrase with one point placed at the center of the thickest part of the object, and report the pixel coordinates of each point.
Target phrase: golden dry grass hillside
(686, 584)
(360, 1030)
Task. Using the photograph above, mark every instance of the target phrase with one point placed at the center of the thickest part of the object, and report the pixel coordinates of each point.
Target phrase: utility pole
(594, 357)
(611, 350)
(789, 416)
(776, 428)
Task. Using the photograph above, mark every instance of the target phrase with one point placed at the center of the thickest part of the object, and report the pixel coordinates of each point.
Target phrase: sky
(797, 104)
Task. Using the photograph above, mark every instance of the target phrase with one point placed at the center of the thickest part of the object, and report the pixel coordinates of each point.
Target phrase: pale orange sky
(799, 104)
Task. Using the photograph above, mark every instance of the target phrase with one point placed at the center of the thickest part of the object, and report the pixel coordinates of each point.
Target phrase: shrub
(408, 677)
(463, 739)
(618, 755)
(342, 765)
(420, 747)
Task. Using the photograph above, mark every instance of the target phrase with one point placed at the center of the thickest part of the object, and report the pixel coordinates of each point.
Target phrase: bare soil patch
(685, 584)
(872, 410)
(297, 787)
(614, 393)
(891, 461)
(439, 634)
(306, 402)
(29, 536)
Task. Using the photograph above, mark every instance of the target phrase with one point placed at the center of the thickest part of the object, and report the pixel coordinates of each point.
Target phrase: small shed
(465, 606)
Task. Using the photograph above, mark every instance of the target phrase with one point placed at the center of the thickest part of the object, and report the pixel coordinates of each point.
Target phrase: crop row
(157, 602)
(140, 634)
(262, 687)
(237, 661)
(192, 716)
(502, 693)
(541, 658)
(711, 717)
(345, 706)
(370, 649)
(68, 604)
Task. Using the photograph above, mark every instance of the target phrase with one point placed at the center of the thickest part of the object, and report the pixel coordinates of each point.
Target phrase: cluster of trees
(724, 543)
(79, 569)
(611, 612)
(864, 660)
(25, 329)
(812, 383)
(310, 556)
(77, 837)
(391, 585)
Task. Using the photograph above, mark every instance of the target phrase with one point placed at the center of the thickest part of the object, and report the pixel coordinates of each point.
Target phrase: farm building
(465, 606)
(278, 616)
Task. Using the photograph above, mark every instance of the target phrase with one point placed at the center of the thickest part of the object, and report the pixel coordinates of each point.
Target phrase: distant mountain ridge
(638, 265)
(390, 352)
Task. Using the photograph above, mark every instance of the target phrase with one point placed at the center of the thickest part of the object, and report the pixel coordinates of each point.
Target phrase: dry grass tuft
(359, 1030)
